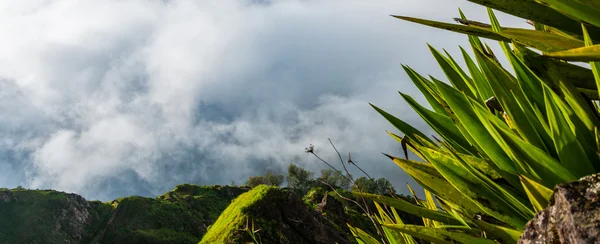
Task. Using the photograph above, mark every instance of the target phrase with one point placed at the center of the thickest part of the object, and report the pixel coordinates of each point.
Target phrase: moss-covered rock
(279, 216)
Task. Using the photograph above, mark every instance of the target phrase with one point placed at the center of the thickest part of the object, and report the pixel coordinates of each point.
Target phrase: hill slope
(182, 215)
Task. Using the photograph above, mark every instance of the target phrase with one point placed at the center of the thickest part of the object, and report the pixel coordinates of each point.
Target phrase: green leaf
(443, 125)
(570, 151)
(594, 65)
(402, 126)
(483, 88)
(541, 40)
(407, 238)
(539, 163)
(466, 116)
(485, 166)
(531, 84)
(405, 206)
(438, 235)
(459, 82)
(489, 196)
(581, 113)
(429, 178)
(457, 68)
(361, 236)
(500, 233)
(474, 40)
(538, 13)
(538, 195)
(430, 204)
(426, 89)
(511, 98)
(577, 10)
(391, 236)
(412, 192)
(579, 76)
(586, 54)
(531, 160)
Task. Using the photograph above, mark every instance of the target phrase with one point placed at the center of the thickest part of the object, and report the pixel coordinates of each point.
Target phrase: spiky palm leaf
(507, 139)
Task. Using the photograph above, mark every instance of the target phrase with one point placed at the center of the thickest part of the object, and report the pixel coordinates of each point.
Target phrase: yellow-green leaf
(361, 236)
(500, 233)
(429, 178)
(405, 206)
(539, 13)
(541, 40)
(404, 127)
(438, 235)
(538, 195)
(588, 53)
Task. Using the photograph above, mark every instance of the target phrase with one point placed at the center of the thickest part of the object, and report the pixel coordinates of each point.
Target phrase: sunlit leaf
(538, 195)
(438, 235)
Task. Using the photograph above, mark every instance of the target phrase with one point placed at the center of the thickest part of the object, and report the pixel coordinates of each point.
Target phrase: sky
(132, 97)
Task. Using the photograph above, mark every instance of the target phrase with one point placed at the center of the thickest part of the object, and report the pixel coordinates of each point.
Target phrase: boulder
(573, 215)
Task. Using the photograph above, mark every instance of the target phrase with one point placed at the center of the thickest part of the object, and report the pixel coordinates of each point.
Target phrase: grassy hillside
(47, 216)
(182, 215)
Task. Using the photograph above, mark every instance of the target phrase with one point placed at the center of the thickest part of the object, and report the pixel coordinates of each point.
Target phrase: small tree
(299, 178)
(268, 179)
(254, 181)
(332, 178)
(273, 179)
(381, 186)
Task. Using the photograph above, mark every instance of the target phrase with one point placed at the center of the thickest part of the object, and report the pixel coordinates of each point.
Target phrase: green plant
(268, 179)
(381, 186)
(506, 140)
(252, 232)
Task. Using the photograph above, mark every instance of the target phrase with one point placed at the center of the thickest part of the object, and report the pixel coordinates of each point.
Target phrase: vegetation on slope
(147, 220)
(277, 215)
(46, 216)
(206, 202)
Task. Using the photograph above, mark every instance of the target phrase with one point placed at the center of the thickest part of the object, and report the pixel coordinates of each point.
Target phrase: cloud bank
(114, 98)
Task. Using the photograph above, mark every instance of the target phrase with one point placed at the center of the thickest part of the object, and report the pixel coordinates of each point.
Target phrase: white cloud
(106, 98)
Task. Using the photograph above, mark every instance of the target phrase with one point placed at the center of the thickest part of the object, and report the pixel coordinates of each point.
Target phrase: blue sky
(114, 98)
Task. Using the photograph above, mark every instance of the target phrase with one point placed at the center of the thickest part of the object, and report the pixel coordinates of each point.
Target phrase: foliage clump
(381, 186)
(504, 138)
(269, 178)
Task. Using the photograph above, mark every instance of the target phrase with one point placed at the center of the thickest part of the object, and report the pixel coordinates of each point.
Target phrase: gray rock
(573, 215)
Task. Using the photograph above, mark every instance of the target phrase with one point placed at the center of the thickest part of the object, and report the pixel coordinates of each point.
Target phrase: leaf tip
(389, 156)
